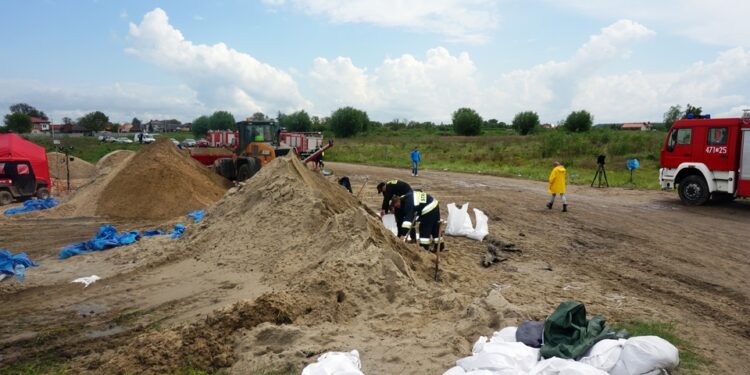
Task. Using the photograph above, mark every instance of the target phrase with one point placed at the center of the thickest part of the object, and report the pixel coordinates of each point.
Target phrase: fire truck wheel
(5, 197)
(694, 190)
(42, 193)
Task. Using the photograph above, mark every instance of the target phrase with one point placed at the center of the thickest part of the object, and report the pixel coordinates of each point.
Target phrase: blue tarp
(155, 232)
(106, 238)
(177, 232)
(8, 262)
(197, 215)
(32, 205)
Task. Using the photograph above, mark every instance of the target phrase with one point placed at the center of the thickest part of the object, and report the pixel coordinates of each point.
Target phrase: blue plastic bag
(177, 232)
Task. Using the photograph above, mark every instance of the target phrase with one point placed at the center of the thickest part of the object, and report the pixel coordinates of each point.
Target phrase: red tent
(15, 148)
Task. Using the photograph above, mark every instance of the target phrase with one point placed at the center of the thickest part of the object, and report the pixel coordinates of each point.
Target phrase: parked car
(123, 140)
(147, 138)
(176, 142)
(189, 142)
(105, 137)
(203, 142)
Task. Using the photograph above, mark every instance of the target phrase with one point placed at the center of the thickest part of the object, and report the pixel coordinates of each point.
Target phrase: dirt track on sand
(318, 276)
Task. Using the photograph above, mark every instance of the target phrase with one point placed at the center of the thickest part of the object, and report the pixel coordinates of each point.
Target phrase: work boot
(565, 208)
(549, 205)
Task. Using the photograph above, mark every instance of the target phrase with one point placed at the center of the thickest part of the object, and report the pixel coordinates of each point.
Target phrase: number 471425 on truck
(707, 158)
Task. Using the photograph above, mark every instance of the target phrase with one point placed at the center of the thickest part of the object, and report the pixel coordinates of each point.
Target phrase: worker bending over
(419, 206)
(390, 189)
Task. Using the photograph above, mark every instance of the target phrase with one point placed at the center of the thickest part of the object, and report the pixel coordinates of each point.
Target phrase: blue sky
(415, 60)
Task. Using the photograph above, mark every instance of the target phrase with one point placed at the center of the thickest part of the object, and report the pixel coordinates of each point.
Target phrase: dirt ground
(629, 255)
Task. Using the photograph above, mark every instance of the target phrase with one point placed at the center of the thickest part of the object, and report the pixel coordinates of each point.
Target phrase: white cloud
(198, 17)
(404, 87)
(641, 96)
(457, 20)
(124, 14)
(720, 22)
(222, 77)
(548, 87)
(119, 101)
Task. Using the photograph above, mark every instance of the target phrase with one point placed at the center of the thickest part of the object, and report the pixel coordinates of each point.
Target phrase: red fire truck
(707, 158)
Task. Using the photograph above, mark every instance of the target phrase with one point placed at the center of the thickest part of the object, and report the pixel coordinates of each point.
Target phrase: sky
(413, 60)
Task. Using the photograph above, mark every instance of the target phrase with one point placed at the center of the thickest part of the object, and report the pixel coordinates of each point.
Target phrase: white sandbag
(457, 370)
(559, 366)
(507, 334)
(335, 363)
(389, 222)
(479, 345)
(644, 354)
(502, 358)
(604, 354)
(482, 228)
(459, 222)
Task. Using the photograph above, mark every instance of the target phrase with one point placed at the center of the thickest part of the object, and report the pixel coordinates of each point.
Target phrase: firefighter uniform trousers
(429, 226)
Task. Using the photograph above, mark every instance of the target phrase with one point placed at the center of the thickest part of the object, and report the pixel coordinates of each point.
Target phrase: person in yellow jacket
(557, 185)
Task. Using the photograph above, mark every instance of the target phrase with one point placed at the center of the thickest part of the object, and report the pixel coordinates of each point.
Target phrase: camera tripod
(600, 172)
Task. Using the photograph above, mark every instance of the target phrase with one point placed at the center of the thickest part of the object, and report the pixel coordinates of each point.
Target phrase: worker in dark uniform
(419, 206)
(390, 189)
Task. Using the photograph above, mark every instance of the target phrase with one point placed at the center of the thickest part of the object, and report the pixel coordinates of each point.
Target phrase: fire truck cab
(707, 158)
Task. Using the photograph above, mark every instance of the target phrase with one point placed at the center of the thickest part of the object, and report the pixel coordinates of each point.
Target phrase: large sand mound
(79, 168)
(326, 255)
(160, 182)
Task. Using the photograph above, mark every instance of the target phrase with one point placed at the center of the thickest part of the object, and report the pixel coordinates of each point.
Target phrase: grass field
(504, 153)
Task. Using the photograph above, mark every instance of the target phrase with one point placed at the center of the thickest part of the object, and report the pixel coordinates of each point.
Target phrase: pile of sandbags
(459, 223)
(585, 347)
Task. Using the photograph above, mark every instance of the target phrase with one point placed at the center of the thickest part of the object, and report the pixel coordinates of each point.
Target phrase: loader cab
(260, 140)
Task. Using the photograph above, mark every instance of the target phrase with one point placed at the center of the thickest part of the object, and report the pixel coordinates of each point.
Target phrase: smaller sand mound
(113, 159)
(160, 182)
(79, 168)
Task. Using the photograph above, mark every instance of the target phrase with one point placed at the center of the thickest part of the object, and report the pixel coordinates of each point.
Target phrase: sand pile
(326, 255)
(160, 182)
(79, 168)
(113, 159)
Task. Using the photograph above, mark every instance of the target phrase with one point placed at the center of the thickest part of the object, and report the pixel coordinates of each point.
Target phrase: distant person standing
(557, 185)
(140, 137)
(416, 158)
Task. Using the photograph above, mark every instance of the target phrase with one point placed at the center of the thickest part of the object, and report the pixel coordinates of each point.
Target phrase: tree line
(343, 122)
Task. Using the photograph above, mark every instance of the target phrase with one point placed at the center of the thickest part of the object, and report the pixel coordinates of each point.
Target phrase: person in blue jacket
(416, 157)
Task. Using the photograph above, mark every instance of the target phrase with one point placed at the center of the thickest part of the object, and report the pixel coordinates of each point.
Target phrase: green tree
(467, 121)
(579, 121)
(114, 127)
(526, 122)
(673, 114)
(136, 124)
(346, 122)
(221, 120)
(200, 126)
(695, 111)
(18, 122)
(27, 110)
(94, 121)
(67, 121)
(297, 122)
(259, 116)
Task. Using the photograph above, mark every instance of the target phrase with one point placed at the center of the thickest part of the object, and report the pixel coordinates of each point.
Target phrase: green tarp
(567, 333)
